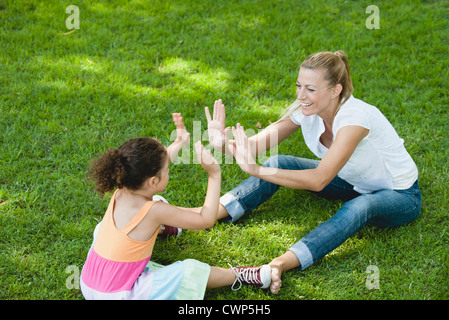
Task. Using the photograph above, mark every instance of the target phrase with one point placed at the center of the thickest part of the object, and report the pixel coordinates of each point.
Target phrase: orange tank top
(116, 245)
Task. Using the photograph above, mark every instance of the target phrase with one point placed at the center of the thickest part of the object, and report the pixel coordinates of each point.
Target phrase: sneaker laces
(247, 275)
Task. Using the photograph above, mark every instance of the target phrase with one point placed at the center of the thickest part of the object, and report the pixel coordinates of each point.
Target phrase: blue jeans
(385, 208)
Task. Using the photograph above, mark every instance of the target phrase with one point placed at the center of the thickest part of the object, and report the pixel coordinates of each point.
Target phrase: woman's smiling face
(313, 92)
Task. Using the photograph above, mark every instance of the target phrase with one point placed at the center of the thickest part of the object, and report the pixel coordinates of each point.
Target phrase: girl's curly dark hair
(128, 166)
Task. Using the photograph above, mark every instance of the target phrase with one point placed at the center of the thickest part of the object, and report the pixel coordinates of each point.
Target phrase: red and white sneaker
(167, 230)
(256, 276)
(170, 231)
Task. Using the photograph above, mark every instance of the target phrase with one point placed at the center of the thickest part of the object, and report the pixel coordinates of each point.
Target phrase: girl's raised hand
(182, 135)
(206, 159)
(218, 135)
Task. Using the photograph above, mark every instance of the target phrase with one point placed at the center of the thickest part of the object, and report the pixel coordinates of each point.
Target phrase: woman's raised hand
(218, 134)
(242, 152)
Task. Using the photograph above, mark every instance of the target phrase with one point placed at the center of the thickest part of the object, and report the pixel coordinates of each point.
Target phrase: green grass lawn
(66, 97)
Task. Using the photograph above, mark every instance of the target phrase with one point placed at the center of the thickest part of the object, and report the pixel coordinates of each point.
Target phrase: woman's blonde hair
(337, 72)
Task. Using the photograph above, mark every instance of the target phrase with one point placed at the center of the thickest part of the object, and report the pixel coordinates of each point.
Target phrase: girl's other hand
(206, 159)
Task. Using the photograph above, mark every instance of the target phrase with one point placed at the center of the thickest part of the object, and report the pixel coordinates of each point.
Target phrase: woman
(363, 162)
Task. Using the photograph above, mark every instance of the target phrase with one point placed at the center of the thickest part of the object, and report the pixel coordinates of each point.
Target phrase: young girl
(118, 264)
